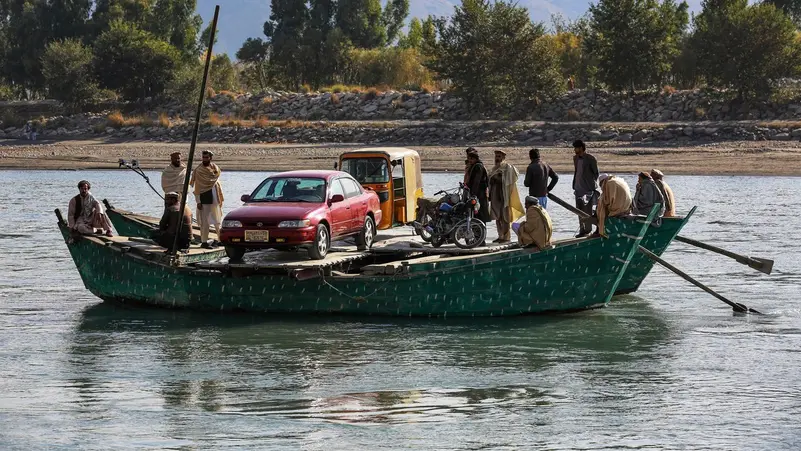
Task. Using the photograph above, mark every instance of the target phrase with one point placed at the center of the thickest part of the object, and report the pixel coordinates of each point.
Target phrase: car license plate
(257, 235)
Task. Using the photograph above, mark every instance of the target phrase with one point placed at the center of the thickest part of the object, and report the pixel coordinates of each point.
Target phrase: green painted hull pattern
(657, 240)
(569, 277)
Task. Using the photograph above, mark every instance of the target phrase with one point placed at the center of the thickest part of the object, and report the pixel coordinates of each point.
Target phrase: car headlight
(230, 223)
(295, 224)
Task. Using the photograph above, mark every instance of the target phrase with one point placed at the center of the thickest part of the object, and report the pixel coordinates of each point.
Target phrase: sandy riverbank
(725, 158)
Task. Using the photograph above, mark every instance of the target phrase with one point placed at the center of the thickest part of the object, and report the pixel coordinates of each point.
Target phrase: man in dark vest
(168, 226)
(585, 185)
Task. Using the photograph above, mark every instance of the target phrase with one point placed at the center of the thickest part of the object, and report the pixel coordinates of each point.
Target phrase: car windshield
(367, 170)
(290, 189)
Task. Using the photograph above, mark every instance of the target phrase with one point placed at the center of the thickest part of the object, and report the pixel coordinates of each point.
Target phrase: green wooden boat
(573, 275)
(657, 239)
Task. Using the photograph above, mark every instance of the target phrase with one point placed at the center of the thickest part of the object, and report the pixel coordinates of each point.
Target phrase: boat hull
(580, 275)
(657, 239)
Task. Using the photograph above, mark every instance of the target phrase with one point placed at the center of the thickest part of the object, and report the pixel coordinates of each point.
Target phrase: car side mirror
(245, 198)
(337, 198)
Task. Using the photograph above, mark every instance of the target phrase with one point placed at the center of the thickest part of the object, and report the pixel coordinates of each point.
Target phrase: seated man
(86, 215)
(646, 195)
(168, 226)
(536, 229)
(614, 202)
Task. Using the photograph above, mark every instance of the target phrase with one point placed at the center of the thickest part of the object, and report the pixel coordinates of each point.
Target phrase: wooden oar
(760, 264)
(737, 307)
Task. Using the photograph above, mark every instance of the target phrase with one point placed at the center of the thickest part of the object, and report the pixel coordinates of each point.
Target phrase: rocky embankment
(442, 119)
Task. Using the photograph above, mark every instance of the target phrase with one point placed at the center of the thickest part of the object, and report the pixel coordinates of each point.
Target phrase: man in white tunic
(86, 215)
(209, 196)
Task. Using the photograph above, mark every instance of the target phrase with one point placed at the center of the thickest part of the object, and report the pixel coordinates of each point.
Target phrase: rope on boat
(365, 297)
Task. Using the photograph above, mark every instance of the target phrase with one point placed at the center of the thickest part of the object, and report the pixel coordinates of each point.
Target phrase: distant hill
(241, 19)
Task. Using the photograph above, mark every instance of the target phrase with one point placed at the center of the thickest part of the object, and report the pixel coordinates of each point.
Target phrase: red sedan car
(305, 209)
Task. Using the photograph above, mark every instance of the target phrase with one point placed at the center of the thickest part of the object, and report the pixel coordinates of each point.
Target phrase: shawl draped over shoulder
(511, 198)
(205, 178)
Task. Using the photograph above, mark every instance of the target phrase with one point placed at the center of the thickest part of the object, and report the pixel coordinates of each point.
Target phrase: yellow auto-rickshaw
(392, 172)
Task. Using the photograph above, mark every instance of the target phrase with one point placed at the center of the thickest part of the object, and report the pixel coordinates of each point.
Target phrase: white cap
(603, 177)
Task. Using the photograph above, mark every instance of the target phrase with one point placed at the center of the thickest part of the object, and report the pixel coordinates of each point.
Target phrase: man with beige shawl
(209, 196)
(173, 176)
(537, 228)
(615, 200)
(505, 206)
(667, 193)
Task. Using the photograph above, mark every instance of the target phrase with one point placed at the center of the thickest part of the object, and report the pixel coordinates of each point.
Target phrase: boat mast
(196, 125)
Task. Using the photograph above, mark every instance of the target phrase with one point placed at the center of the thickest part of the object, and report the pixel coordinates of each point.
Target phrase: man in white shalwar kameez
(85, 214)
(209, 196)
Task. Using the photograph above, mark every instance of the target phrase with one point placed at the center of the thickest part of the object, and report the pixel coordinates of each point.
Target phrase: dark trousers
(585, 224)
(167, 240)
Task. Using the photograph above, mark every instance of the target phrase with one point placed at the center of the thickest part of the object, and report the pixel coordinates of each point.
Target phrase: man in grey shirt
(585, 185)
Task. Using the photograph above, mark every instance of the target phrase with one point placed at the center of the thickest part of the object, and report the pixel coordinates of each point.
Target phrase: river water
(668, 368)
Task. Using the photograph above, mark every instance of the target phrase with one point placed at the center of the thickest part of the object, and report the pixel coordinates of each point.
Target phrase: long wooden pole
(196, 127)
(737, 307)
(760, 264)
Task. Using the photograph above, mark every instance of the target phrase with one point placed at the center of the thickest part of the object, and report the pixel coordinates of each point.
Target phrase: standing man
(537, 175)
(585, 184)
(537, 228)
(667, 193)
(86, 214)
(646, 196)
(168, 226)
(209, 196)
(172, 177)
(467, 163)
(504, 200)
(615, 200)
(478, 184)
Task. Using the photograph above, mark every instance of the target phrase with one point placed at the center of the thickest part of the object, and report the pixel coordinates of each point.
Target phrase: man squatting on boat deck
(536, 229)
(168, 226)
(86, 214)
(209, 196)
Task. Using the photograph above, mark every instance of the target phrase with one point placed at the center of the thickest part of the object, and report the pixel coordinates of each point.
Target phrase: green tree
(254, 55)
(133, 62)
(222, 75)
(790, 7)
(494, 55)
(176, 22)
(414, 38)
(67, 69)
(315, 42)
(362, 22)
(394, 15)
(746, 48)
(635, 41)
(288, 20)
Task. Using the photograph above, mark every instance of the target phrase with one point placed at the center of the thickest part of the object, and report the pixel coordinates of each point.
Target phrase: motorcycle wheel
(469, 237)
(438, 241)
(425, 220)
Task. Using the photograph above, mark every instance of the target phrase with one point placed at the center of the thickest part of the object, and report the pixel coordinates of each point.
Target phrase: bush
(371, 94)
(335, 99)
(573, 115)
(668, 90)
(6, 92)
(117, 120)
(392, 67)
(164, 120)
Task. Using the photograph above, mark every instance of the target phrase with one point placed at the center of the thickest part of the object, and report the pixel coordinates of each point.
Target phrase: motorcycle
(450, 219)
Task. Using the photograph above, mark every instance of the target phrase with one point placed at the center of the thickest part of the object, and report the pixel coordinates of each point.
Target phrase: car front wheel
(365, 238)
(322, 243)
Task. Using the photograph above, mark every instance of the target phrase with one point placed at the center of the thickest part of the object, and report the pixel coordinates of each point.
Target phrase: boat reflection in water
(332, 370)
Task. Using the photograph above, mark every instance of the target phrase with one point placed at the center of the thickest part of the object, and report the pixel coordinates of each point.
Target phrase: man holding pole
(209, 196)
(585, 184)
